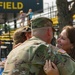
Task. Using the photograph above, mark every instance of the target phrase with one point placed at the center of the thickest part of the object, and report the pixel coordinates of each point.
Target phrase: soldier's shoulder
(36, 42)
(53, 47)
(61, 51)
(38, 45)
(57, 49)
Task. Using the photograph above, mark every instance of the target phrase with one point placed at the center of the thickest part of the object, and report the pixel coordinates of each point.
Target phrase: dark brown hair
(71, 36)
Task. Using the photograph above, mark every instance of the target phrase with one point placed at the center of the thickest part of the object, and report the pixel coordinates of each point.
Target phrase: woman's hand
(50, 68)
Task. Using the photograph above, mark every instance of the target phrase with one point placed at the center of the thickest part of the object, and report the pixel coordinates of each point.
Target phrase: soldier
(21, 35)
(29, 58)
(27, 31)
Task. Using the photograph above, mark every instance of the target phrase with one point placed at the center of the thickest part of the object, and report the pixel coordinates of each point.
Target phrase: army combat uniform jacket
(29, 59)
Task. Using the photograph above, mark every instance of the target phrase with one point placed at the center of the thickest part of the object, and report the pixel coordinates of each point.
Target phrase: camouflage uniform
(29, 59)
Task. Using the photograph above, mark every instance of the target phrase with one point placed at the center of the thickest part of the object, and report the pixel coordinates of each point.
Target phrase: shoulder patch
(61, 51)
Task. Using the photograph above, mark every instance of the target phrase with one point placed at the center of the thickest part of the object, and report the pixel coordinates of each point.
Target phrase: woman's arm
(50, 68)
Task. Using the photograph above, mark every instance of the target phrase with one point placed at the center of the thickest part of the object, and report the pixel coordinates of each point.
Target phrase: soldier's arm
(63, 61)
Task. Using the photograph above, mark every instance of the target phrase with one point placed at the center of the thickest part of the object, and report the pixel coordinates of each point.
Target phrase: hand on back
(50, 68)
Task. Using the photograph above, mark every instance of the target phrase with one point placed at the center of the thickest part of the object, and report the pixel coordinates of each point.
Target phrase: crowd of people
(33, 54)
(25, 15)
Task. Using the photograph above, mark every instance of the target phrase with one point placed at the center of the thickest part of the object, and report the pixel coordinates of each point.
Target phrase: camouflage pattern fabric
(41, 22)
(29, 59)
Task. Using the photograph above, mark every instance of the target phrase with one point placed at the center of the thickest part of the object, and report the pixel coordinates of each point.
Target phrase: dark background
(10, 14)
(28, 4)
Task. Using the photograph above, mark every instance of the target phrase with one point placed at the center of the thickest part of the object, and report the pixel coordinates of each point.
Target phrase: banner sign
(14, 6)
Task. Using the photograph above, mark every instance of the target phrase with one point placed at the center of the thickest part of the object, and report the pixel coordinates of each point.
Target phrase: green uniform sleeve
(33, 58)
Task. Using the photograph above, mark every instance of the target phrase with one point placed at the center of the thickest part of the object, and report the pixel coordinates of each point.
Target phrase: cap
(19, 36)
(27, 29)
(18, 32)
(41, 22)
(21, 11)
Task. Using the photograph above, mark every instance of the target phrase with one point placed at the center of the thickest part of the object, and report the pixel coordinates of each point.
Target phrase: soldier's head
(42, 28)
(27, 31)
(19, 36)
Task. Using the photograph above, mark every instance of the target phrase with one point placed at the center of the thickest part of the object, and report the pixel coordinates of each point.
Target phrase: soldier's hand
(50, 68)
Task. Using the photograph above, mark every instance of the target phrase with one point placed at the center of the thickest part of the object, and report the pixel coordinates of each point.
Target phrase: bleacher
(7, 38)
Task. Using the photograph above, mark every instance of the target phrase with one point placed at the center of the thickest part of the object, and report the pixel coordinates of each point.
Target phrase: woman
(65, 41)
(22, 17)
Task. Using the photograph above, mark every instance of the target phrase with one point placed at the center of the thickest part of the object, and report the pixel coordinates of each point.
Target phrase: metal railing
(50, 12)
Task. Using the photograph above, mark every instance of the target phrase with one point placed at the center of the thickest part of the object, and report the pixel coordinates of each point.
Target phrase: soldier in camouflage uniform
(29, 58)
(19, 36)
